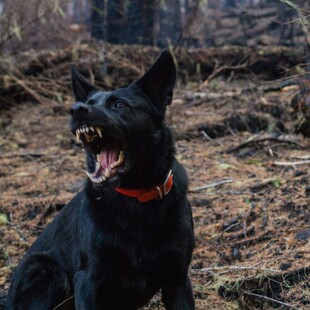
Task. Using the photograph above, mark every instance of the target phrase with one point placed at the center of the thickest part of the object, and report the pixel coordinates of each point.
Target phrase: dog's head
(119, 129)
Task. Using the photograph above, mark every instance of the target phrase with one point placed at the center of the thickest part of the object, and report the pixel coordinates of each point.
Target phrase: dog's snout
(79, 107)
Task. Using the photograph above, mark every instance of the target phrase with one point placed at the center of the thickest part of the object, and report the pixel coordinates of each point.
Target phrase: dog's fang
(107, 173)
(89, 175)
(98, 158)
(78, 134)
(99, 131)
(92, 128)
(121, 156)
(119, 160)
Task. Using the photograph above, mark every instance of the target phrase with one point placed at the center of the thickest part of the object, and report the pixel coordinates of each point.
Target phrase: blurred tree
(116, 21)
(230, 3)
(170, 22)
(135, 24)
(97, 19)
(141, 21)
(120, 21)
(78, 11)
(148, 18)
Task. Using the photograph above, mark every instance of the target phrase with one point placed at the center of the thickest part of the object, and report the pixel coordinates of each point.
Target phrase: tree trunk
(170, 22)
(97, 19)
(135, 22)
(141, 20)
(115, 21)
(229, 3)
(149, 10)
(79, 11)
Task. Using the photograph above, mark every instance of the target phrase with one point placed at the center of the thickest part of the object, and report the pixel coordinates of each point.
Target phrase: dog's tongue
(109, 155)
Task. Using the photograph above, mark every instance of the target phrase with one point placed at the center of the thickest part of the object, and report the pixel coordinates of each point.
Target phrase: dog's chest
(132, 271)
(132, 254)
(135, 248)
(129, 258)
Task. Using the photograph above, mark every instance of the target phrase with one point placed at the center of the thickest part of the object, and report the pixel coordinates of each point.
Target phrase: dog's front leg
(178, 296)
(85, 292)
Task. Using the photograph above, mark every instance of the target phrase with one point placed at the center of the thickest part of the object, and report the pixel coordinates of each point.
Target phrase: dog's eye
(119, 105)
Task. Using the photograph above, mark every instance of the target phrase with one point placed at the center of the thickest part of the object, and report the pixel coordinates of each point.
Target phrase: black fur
(107, 250)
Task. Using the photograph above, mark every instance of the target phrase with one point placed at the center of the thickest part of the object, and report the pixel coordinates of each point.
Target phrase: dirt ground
(252, 221)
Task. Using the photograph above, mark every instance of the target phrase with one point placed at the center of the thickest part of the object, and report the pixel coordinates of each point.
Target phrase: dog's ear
(158, 82)
(81, 87)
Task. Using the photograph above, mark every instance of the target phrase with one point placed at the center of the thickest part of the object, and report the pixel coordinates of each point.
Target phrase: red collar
(148, 194)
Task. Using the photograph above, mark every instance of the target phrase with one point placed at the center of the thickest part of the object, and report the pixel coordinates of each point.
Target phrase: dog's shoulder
(65, 223)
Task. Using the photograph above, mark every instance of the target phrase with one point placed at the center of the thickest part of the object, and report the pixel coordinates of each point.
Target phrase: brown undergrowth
(252, 230)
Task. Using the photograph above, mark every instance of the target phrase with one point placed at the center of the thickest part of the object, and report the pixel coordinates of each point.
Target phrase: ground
(252, 231)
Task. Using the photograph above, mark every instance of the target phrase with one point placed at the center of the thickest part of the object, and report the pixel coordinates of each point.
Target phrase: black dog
(129, 233)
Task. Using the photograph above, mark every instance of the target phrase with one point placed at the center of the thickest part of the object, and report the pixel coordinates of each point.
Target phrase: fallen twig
(200, 188)
(215, 143)
(264, 285)
(291, 163)
(232, 268)
(270, 299)
(33, 154)
(255, 139)
(28, 90)
(217, 70)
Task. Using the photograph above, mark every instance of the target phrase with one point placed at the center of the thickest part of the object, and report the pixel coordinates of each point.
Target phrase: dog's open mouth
(107, 153)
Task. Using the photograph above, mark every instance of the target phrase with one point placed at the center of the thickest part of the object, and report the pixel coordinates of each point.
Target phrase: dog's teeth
(89, 175)
(98, 158)
(87, 129)
(97, 166)
(98, 179)
(120, 158)
(92, 129)
(99, 131)
(107, 173)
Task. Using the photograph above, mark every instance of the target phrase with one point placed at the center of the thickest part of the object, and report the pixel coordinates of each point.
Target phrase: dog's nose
(79, 107)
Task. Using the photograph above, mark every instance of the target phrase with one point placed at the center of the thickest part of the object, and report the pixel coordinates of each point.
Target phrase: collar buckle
(167, 184)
